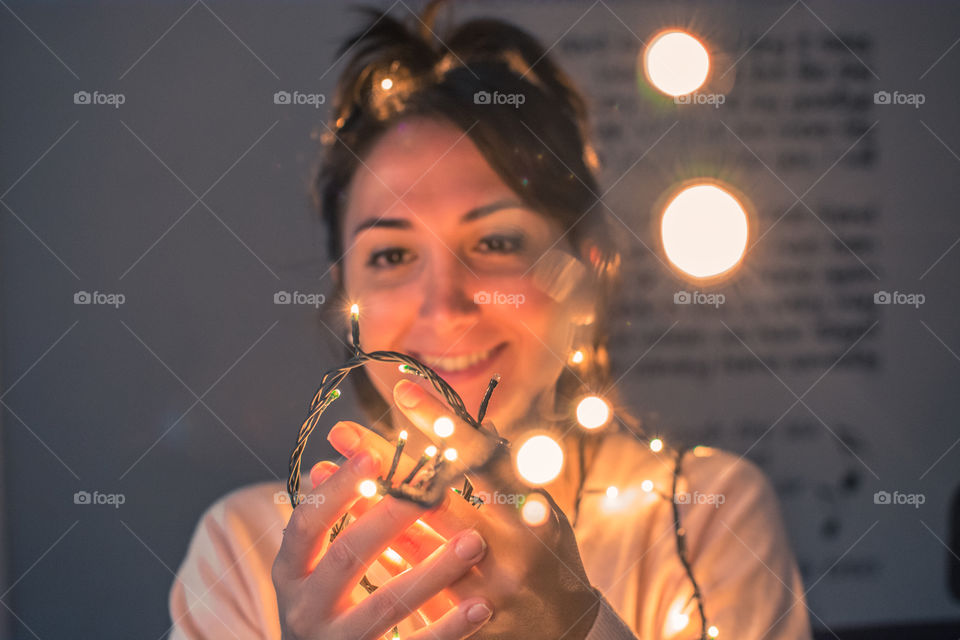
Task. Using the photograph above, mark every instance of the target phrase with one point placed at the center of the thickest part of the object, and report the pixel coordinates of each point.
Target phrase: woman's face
(438, 255)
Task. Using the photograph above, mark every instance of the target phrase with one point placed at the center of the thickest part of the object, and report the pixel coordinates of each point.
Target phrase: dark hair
(539, 148)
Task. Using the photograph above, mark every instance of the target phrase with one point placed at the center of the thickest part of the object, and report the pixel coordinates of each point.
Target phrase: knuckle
(339, 557)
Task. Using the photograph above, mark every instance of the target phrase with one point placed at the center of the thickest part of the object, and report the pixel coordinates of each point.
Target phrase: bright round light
(403, 435)
(676, 63)
(713, 632)
(612, 492)
(704, 231)
(443, 427)
(539, 460)
(430, 450)
(450, 454)
(647, 485)
(386, 84)
(678, 621)
(368, 488)
(354, 309)
(656, 445)
(393, 556)
(535, 510)
(593, 412)
(577, 357)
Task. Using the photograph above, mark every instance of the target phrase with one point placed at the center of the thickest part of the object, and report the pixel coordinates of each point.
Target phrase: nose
(447, 296)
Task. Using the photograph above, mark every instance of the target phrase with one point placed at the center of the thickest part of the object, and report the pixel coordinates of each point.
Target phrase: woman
(459, 199)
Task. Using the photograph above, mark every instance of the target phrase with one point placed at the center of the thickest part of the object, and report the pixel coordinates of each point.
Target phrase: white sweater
(736, 542)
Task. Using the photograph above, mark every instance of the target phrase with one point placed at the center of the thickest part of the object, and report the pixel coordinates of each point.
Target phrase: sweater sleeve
(608, 625)
(223, 590)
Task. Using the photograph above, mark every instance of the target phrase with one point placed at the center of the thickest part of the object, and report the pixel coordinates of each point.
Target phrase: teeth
(458, 363)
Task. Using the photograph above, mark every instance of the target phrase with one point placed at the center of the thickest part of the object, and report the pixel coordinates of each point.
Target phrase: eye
(501, 243)
(388, 258)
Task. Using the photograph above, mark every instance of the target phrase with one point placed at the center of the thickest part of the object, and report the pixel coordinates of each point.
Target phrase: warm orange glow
(656, 445)
(704, 230)
(676, 63)
(386, 84)
(577, 357)
(450, 454)
(647, 485)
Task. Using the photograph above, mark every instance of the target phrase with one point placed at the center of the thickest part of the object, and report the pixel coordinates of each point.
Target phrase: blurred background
(154, 172)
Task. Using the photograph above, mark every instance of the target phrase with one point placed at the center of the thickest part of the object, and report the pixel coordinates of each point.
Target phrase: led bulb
(443, 427)
(368, 488)
(656, 445)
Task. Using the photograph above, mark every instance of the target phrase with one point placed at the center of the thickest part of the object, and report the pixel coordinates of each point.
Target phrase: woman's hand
(533, 576)
(314, 578)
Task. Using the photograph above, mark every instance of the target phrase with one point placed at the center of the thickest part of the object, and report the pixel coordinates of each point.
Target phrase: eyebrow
(469, 216)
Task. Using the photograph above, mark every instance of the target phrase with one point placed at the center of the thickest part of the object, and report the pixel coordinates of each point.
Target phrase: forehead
(424, 161)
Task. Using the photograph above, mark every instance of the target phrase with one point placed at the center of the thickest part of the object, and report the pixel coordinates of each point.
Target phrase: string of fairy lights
(537, 460)
(704, 227)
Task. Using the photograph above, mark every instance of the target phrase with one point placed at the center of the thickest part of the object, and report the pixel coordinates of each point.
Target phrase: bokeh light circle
(704, 230)
(676, 63)
(539, 459)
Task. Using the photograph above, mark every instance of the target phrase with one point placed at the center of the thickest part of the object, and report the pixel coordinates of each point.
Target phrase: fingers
(405, 593)
(460, 622)
(473, 446)
(358, 545)
(305, 534)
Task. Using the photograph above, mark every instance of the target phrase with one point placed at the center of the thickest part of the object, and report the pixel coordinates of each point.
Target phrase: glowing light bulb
(443, 427)
(577, 357)
(593, 412)
(535, 510)
(430, 450)
(354, 310)
(612, 492)
(393, 556)
(704, 231)
(713, 632)
(678, 621)
(647, 485)
(656, 445)
(368, 488)
(676, 63)
(539, 459)
(450, 454)
(386, 84)
(403, 435)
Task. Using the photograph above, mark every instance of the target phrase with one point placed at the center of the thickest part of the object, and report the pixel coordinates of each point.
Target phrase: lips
(461, 365)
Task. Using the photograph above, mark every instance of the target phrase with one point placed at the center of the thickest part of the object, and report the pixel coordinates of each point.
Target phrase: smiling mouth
(464, 364)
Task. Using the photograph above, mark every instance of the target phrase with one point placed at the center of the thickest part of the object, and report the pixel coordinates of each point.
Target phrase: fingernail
(321, 474)
(368, 463)
(344, 438)
(478, 612)
(470, 546)
(409, 394)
